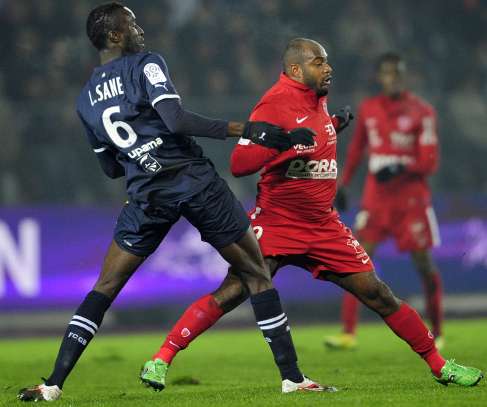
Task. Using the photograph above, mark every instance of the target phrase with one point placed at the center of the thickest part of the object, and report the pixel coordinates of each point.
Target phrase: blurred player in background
(138, 129)
(294, 219)
(398, 131)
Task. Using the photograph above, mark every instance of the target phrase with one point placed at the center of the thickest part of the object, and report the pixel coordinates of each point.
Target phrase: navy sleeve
(106, 156)
(96, 144)
(180, 121)
(155, 80)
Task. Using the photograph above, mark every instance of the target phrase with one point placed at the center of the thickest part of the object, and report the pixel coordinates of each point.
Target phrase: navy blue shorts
(215, 212)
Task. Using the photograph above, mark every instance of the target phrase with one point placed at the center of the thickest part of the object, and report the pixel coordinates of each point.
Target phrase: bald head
(301, 50)
(306, 61)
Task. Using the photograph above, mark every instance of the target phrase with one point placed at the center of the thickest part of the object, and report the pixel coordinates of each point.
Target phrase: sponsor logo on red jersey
(312, 169)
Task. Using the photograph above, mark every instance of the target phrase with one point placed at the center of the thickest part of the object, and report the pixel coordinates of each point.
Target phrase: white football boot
(306, 385)
(40, 392)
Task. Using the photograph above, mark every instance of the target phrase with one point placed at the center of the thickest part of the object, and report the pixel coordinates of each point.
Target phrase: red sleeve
(335, 121)
(247, 157)
(427, 155)
(355, 149)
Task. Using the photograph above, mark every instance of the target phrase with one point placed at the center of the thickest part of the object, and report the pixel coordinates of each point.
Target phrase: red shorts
(318, 247)
(413, 228)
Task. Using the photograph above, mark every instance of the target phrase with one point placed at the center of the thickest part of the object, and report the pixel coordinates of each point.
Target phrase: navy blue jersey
(116, 107)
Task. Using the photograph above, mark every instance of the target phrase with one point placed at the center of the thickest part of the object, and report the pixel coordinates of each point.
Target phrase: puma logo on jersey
(299, 121)
(312, 169)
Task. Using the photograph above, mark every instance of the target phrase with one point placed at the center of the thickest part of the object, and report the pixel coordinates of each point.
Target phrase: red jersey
(394, 131)
(300, 183)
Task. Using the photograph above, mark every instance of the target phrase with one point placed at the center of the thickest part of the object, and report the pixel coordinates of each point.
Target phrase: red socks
(433, 291)
(350, 309)
(407, 324)
(197, 318)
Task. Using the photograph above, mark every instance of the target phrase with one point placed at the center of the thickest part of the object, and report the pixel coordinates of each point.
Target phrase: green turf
(235, 368)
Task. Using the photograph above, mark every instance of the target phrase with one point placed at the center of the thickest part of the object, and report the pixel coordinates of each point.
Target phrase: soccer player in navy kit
(138, 129)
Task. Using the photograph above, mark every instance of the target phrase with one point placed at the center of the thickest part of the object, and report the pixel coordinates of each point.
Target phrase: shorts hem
(132, 250)
(235, 238)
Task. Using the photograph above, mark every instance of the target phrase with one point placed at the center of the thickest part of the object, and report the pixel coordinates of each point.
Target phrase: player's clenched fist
(272, 136)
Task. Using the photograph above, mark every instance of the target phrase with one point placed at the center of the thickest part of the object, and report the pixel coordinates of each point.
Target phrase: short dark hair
(100, 21)
(294, 52)
(390, 57)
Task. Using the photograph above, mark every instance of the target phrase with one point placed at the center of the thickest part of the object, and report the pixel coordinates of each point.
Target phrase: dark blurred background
(222, 55)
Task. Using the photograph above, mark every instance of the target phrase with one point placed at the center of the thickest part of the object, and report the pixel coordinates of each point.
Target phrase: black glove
(301, 135)
(341, 199)
(344, 116)
(387, 173)
(271, 136)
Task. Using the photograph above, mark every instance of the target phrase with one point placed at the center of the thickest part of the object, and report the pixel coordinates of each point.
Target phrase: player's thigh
(245, 256)
(355, 283)
(369, 289)
(223, 222)
(140, 231)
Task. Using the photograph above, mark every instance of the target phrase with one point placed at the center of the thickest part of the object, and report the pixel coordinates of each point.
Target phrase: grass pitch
(235, 368)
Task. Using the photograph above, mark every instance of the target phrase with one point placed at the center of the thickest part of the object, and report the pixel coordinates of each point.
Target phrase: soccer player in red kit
(398, 130)
(295, 222)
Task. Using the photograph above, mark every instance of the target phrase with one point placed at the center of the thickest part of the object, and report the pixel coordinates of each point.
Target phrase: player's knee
(380, 298)
(259, 279)
(388, 303)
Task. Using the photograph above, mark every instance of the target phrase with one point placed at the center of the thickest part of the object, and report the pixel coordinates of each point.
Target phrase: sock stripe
(86, 320)
(281, 322)
(268, 321)
(80, 324)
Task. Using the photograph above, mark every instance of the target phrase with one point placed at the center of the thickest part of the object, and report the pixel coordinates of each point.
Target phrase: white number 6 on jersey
(112, 129)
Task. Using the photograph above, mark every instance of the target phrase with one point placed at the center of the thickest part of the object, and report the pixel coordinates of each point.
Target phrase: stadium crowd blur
(222, 54)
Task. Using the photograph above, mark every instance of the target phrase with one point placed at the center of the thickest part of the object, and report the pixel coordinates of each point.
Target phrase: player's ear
(114, 37)
(296, 71)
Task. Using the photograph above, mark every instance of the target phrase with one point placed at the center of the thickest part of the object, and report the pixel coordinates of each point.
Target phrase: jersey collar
(307, 92)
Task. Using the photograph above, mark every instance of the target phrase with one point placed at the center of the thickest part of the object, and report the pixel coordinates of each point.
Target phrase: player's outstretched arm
(271, 136)
(181, 121)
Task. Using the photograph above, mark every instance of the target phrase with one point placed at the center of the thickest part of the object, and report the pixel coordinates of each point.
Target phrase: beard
(321, 92)
(132, 46)
(312, 83)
